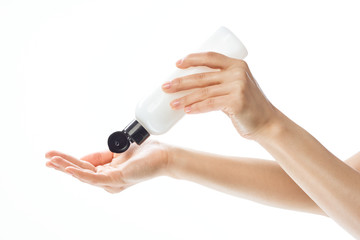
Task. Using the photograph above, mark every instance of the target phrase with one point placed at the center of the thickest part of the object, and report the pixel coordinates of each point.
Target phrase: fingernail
(175, 103)
(166, 85)
(187, 109)
(179, 62)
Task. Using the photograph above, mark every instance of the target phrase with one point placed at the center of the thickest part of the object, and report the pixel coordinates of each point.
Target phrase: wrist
(273, 128)
(161, 159)
(173, 154)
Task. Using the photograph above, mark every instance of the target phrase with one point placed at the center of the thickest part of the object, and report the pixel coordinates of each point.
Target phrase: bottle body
(154, 112)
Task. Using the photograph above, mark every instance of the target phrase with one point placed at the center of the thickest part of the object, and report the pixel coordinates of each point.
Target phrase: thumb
(99, 158)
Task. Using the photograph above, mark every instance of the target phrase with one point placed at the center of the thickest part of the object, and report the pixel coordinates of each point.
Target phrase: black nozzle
(119, 142)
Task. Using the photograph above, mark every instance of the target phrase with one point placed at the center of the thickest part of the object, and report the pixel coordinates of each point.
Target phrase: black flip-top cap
(118, 142)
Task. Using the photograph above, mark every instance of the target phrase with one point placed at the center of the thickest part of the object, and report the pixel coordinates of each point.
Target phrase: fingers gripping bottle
(153, 114)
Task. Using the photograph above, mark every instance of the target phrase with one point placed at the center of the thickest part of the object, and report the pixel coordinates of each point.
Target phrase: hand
(114, 172)
(231, 89)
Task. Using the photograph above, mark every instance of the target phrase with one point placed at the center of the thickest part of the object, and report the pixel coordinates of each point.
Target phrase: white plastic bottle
(153, 114)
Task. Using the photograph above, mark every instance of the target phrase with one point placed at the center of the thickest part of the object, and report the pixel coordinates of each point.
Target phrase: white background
(71, 73)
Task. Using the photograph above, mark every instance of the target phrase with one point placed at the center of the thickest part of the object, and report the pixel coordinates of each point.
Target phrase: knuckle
(204, 92)
(241, 63)
(209, 55)
(201, 76)
(184, 100)
(177, 81)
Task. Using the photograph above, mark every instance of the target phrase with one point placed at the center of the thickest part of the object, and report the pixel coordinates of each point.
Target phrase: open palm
(114, 172)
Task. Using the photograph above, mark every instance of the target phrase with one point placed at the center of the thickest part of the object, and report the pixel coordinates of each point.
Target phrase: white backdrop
(71, 73)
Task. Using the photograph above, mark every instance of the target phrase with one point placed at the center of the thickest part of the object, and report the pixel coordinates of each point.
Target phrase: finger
(85, 175)
(49, 164)
(62, 163)
(201, 95)
(210, 104)
(99, 158)
(208, 59)
(193, 81)
(78, 162)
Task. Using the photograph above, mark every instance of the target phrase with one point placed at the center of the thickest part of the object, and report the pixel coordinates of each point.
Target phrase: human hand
(114, 172)
(232, 89)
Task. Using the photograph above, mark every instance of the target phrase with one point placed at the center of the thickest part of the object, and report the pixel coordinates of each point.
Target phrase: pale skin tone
(304, 177)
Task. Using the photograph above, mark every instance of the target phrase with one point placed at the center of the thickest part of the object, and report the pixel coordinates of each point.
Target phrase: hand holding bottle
(231, 89)
(114, 172)
(153, 114)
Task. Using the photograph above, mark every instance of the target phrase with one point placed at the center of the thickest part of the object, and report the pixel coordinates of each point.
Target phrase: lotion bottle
(153, 114)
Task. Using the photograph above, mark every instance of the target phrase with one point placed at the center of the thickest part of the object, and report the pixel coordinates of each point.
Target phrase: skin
(304, 177)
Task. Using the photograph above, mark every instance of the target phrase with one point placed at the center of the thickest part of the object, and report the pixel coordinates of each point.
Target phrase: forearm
(254, 179)
(332, 184)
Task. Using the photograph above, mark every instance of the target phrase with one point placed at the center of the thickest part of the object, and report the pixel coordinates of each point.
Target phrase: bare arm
(258, 180)
(333, 185)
